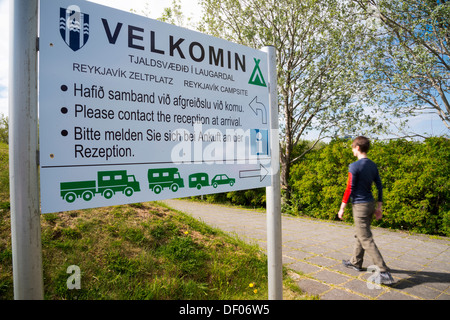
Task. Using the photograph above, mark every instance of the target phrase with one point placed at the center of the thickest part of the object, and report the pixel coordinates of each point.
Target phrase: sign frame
(200, 101)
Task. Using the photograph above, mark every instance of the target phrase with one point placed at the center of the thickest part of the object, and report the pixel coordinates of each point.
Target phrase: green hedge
(255, 198)
(415, 176)
(4, 172)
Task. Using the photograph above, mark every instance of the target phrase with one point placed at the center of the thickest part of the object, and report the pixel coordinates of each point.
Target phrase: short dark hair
(363, 143)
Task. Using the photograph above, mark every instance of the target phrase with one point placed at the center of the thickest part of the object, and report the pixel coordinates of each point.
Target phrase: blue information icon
(259, 142)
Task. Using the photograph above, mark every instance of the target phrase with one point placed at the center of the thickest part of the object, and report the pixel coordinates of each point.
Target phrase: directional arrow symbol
(261, 173)
(255, 106)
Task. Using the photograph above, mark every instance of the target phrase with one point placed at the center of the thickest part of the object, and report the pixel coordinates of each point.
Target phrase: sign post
(23, 141)
(273, 195)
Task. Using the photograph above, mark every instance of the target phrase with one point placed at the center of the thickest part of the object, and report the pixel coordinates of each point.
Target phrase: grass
(142, 251)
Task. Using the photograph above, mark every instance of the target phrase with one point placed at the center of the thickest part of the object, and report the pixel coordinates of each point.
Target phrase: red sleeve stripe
(348, 191)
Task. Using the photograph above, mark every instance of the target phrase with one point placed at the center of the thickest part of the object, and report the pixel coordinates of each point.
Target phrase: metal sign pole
(23, 142)
(273, 196)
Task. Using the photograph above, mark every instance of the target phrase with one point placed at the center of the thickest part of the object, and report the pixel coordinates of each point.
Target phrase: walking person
(362, 174)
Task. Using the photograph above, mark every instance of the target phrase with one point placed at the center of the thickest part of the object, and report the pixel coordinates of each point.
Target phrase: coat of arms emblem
(74, 27)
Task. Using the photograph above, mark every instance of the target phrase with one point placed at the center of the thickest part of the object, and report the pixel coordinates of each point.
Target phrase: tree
(174, 15)
(4, 129)
(410, 58)
(319, 71)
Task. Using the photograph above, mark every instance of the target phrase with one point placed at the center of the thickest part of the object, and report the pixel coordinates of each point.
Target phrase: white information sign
(132, 109)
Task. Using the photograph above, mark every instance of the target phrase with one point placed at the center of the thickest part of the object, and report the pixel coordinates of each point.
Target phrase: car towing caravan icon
(201, 179)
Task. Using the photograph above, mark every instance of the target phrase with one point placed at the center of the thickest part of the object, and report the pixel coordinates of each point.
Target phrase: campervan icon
(158, 179)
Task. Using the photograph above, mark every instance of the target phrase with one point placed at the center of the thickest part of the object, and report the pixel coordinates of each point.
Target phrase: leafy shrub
(318, 182)
(416, 179)
(4, 172)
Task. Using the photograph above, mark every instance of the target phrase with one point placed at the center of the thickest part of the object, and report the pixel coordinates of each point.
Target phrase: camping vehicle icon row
(108, 183)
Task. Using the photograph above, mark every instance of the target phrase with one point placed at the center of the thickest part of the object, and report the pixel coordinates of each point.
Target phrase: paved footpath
(420, 264)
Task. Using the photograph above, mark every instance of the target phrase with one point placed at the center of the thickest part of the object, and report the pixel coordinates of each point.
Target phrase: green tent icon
(257, 78)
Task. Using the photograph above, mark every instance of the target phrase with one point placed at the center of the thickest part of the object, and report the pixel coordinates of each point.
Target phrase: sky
(429, 123)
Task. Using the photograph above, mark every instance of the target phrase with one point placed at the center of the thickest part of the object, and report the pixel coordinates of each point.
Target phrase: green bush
(417, 186)
(4, 129)
(4, 172)
(318, 181)
(415, 176)
(255, 198)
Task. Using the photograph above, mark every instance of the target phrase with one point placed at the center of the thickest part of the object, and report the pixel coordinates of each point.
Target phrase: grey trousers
(362, 216)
